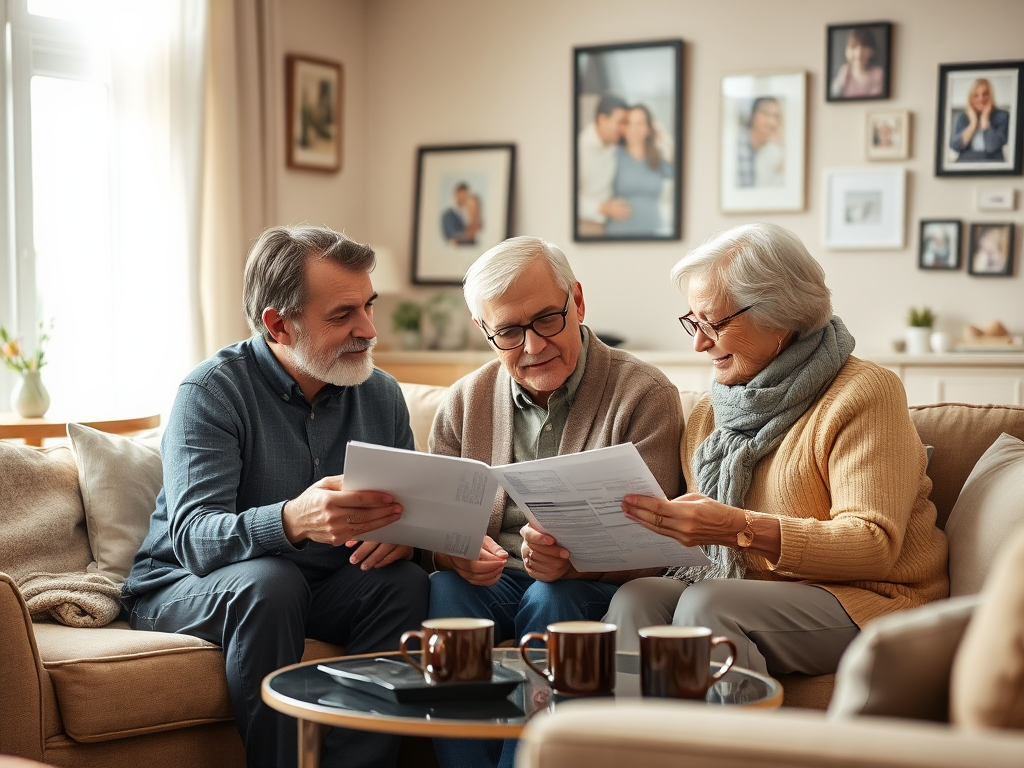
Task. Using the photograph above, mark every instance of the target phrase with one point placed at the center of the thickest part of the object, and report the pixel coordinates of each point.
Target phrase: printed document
(576, 498)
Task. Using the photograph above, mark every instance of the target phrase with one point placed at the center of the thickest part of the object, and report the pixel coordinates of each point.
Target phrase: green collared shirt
(537, 433)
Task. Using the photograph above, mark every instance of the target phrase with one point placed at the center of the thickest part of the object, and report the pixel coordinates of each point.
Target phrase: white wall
(459, 71)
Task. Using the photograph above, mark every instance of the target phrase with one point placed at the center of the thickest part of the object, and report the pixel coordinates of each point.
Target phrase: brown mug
(455, 650)
(581, 657)
(675, 662)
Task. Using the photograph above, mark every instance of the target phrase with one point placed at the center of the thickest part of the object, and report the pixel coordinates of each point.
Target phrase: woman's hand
(690, 519)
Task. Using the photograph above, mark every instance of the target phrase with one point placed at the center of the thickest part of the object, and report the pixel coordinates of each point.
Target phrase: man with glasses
(554, 389)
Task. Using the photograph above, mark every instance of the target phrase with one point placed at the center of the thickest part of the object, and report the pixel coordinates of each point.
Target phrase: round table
(317, 700)
(34, 431)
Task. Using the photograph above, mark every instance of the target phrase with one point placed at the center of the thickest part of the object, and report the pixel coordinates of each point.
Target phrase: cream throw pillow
(42, 524)
(987, 686)
(988, 511)
(120, 479)
(899, 665)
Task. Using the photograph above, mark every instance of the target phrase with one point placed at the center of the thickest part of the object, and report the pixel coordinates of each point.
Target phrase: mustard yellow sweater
(848, 483)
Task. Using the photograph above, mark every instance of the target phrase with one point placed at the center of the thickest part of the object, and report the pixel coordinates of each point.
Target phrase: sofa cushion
(899, 665)
(987, 685)
(961, 434)
(115, 681)
(42, 522)
(120, 478)
(422, 400)
(990, 508)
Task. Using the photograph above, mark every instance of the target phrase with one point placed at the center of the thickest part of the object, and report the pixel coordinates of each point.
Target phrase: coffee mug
(581, 657)
(456, 650)
(675, 662)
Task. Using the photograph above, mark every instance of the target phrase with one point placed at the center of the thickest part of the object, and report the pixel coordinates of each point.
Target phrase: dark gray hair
(494, 272)
(275, 270)
(764, 266)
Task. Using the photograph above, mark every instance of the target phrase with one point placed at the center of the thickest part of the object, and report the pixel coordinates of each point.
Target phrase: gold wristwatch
(746, 537)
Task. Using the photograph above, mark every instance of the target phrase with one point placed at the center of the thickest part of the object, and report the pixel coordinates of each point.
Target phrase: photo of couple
(627, 137)
(460, 222)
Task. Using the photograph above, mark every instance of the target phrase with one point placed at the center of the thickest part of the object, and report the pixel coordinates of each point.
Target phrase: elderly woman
(810, 494)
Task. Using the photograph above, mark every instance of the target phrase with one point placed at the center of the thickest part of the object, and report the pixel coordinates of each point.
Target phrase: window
(95, 197)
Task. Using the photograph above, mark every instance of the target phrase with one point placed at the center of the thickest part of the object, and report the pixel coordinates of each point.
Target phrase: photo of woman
(858, 62)
(979, 119)
(641, 172)
(991, 251)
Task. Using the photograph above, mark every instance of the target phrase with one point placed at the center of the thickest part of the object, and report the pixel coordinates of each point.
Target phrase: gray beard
(331, 368)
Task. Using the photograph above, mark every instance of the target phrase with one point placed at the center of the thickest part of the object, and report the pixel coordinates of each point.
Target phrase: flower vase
(917, 340)
(30, 399)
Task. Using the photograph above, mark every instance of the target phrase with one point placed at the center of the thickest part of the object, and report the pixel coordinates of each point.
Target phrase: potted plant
(407, 320)
(919, 329)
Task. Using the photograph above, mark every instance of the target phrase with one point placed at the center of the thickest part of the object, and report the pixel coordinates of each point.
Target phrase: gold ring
(351, 519)
(658, 520)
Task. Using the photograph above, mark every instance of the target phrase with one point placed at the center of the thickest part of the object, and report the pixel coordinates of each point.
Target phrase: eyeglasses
(514, 336)
(708, 329)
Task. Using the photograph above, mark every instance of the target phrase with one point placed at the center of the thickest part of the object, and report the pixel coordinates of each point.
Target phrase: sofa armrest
(21, 693)
(660, 735)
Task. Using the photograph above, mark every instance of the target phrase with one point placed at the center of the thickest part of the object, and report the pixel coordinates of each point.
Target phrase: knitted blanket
(75, 599)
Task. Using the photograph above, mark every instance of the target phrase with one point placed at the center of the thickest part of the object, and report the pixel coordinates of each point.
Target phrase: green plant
(408, 316)
(920, 318)
(15, 358)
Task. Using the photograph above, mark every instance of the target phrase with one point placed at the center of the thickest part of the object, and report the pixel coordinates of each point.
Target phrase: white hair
(491, 275)
(766, 267)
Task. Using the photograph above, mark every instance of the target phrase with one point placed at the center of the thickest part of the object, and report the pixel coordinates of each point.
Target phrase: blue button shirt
(241, 441)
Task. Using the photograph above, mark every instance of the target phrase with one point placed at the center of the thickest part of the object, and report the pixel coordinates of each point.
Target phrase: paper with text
(446, 500)
(577, 499)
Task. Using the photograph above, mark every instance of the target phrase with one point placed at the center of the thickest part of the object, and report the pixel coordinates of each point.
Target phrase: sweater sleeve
(655, 429)
(871, 461)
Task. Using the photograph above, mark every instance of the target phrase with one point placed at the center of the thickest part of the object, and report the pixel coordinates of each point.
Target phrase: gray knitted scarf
(751, 420)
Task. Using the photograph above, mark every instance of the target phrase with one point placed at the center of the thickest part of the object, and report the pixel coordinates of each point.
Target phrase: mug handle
(523, 649)
(728, 662)
(440, 671)
(406, 637)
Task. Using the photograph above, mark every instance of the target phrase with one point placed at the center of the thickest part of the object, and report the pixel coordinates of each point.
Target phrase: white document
(446, 500)
(576, 498)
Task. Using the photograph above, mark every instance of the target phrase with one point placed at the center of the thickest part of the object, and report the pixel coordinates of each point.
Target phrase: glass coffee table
(317, 700)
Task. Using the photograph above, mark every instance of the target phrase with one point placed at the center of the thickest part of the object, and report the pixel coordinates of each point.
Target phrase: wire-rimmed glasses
(710, 330)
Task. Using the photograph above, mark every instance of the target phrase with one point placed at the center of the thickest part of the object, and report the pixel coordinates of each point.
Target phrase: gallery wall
(428, 72)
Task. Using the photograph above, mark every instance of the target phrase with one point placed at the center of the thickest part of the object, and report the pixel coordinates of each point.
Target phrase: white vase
(30, 400)
(917, 340)
(941, 342)
(410, 339)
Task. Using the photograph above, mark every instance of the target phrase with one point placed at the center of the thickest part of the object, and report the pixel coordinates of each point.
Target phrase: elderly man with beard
(254, 544)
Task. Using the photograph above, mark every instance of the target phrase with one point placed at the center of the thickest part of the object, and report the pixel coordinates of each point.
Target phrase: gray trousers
(779, 627)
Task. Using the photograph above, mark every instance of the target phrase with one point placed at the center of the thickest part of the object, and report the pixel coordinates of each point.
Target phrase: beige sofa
(113, 697)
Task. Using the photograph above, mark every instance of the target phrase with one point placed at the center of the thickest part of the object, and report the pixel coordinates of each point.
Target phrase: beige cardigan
(620, 399)
(849, 485)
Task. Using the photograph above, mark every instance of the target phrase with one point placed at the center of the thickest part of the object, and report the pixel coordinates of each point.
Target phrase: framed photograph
(763, 124)
(979, 122)
(313, 92)
(864, 208)
(858, 61)
(627, 134)
(887, 135)
(990, 250)
(939, 244)
(463, 207)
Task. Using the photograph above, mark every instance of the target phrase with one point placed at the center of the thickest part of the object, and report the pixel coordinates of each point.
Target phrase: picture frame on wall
(763, 142)
(858, 61)
(990, 249)
(313, 90)
(864, 208)
(939, 244)
(463, 207)
(978, 128)
(627, 141)
(887, 135)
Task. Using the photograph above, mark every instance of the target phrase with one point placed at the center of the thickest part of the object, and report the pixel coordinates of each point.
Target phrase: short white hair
(491, 275)
(766, 267)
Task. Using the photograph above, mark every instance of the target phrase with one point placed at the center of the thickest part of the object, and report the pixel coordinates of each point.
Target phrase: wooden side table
(34, 431)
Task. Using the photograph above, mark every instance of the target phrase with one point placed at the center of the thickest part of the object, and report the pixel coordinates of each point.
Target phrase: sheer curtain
(130, 326)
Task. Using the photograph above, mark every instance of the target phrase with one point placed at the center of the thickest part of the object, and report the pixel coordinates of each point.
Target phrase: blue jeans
(517, 604)
(259, 612)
